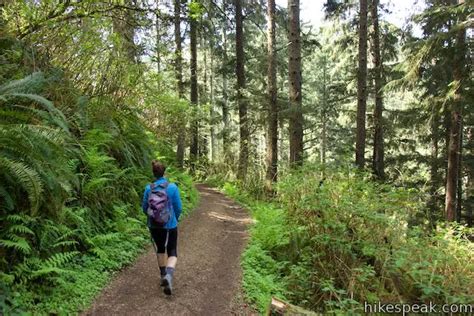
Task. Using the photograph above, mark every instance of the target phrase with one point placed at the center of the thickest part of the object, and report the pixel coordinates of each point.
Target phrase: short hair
(158, 168)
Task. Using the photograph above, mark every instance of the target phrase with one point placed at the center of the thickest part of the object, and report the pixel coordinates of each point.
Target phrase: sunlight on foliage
(340, 239)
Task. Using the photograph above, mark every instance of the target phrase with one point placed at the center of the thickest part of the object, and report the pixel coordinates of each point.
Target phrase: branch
(56, 17)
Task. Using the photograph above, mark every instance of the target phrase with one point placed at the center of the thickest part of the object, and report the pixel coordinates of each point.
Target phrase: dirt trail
(208, 275)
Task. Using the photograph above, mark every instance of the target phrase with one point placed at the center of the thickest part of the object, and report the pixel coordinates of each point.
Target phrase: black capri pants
(165, 240)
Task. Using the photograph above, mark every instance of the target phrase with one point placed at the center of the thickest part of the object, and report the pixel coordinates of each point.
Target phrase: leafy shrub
(262, 271)
(341, 239)
(71, 181)
(353, 236)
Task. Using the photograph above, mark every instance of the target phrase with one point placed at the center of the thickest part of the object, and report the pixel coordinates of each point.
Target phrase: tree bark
(211, 97)
(435, 180)
(324, 114)
(279, 307)
(455, 130)
(179, 79)
(294, 73)
(470, 176)
(194, 148)
(453, 165)
(3, 32)
(158, 40)
(361, 85)
(378, 157)
(123, 24)
(213, 139)
(272, 123)
(225, 108)
(203, 92)
(241, 99)
(459, 189)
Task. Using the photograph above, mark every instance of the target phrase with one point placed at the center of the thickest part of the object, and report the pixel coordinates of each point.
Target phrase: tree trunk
(241, 99)
(225, 108)
(435, 180)
(3, 32)
(158, 40)
(324, 114)
(179, 79)
(272, 124)
(453, 165)
(279, 307)
(123, 25)
(203, 92)
(469, 204)
(211, 88)
(361, 85)
(211, 94)
(378, 158)
(283, 150)
(459, 190)
(194, 93)
(455, 130)
(294, 73)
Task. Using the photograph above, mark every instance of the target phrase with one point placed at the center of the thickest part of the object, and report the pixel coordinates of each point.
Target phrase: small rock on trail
(208, 275)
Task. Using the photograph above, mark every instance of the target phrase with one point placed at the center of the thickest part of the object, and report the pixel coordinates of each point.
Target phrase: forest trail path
(208, 275)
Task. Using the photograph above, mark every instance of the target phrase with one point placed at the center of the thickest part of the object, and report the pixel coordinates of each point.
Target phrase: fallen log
(279, 307)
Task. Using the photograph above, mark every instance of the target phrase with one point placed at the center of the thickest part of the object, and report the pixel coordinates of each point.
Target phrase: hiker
(162, 204)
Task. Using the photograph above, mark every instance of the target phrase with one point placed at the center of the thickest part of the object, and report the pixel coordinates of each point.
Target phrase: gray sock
(169, 270)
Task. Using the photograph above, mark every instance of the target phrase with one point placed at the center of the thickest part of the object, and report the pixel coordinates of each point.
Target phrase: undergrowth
(261, 263)
(337, 239)
(72, 174)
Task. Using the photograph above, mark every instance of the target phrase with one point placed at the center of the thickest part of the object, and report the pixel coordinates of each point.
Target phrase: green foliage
(262, 270)
(349, 232)
(71, 180)
(73, 168)
(341, 239)
(196, 9)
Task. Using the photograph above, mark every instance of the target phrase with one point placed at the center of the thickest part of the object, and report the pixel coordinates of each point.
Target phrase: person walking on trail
(162, 204)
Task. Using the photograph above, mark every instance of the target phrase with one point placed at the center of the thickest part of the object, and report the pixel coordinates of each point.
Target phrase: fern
(19, 218)
(26, 177)
(21, 229)
(104, 238)
(56, 116)
(73, 215)
(65, 243)
(26, 85)
(59, 259)
(7, 200)
(6, 278)
(11, 116)
(47, 271)
(69, 175)
(18, 243)
(100, 253)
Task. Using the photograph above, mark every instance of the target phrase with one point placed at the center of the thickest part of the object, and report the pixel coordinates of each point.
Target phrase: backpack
(159, 206)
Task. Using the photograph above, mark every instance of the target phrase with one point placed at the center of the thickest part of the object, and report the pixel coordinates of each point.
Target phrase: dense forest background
(352, 143)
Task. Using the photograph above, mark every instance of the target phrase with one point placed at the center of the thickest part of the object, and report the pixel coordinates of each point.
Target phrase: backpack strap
(164, 185)
(154, 186)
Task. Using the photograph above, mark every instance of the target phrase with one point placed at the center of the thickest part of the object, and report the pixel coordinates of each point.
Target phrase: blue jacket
(173, 194)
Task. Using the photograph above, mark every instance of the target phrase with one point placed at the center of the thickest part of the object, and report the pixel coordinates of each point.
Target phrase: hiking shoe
(163, 281)
(167, 283)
